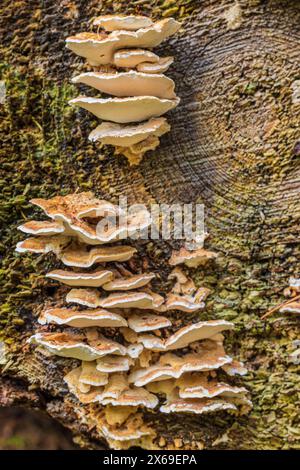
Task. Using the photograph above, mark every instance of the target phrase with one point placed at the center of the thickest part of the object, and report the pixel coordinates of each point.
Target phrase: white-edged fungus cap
(81, 279)
(135, 396)
(43, 245)
(82, 318)
(196, 406)
(198, 386)
(235, 368)
(122, 22)
(111, 364)
(125, 136)
(133, 282)
(86, 297)
(130, 83)
(157, 67)
(78, 256)
(76, 206)
(171, 366)
(140, 300)
(184, 303)
(192, 259)
(130, 58)
(69, 213)
(292, 307)
(44, 227)
(294, 283)
(99, 49)
(125, 110)
(69, 345)
(196, 332)
(147, 322)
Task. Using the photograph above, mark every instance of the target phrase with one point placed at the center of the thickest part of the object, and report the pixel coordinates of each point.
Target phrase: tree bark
(234, 146)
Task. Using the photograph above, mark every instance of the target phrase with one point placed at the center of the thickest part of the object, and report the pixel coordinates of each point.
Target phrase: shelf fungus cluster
(135, 361)
(135, 93)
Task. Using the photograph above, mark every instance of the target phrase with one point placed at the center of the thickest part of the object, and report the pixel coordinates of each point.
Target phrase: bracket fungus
(70, 345)
(74, 211)
(199, 386)
(127, 23)
(127, 136)
(184, 303)
(130, 58)
(140, 91)
(132, 282)
(292, 307)
(98, 48)
(191, 259)
(196, 406)
(82, 257)
(129, 84)
(43, 245)
(46, 228)
(82, 318)
(70, 278)
(133, 358)
(160, 66)
(147, 322)
(125, 110)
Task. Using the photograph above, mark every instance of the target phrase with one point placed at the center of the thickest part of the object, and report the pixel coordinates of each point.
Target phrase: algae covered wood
(234, 146)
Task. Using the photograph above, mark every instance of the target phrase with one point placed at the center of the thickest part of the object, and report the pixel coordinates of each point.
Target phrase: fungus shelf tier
(132, 76)
(132, 356)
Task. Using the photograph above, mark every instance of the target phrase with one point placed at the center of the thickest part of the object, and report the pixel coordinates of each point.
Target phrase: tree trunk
(234, 146)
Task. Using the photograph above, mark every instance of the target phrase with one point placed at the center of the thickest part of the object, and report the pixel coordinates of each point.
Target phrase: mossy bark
(234, 146)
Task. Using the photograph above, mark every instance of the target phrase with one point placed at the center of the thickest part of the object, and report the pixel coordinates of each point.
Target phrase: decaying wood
(234, 146)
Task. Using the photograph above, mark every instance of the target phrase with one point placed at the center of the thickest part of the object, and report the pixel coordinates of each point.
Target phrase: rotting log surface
(234, 146)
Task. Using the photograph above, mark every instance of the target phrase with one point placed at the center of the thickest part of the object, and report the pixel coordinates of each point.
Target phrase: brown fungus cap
(134, 396)
(133, 282)
(44, 227)
(140, 300)
(43, 245)
(135, 153)
(81, 257)
(75, 206)
(82, 279)
(86, 297)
